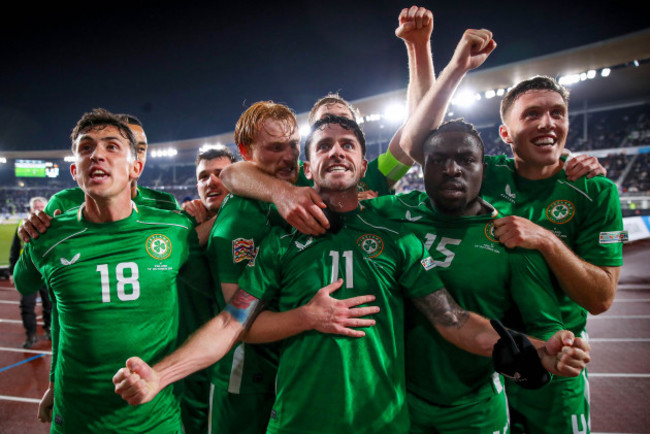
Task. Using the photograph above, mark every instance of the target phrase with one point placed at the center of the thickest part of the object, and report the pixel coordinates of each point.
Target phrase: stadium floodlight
(501, 92)
(489, 94)
(373, 117)
(208, 146)
(3, 160)
(464, 98)
(169, 152)
(570, 79)
(304, 130)
(69, 158)
(583, 76)
(395, 113)
(591, 74)
(605, 72)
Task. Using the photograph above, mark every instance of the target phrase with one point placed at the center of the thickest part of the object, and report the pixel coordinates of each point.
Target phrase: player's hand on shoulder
(137, 382)
(577, 166)
(35, 224)
(196, 209)
(368, 194)
(515, 231)
(415, 25)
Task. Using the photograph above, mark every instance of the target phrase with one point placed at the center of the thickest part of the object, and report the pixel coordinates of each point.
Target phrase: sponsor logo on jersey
(242, 250)
(372, 244)
(302, 246)
(428, 263)
(489, 232)
(560, 212)
(159, 246)
(74, 259)
(509, 195)
(613, 237)
(411, 218)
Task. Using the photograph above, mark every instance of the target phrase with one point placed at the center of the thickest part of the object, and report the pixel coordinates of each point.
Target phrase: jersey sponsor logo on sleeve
(242, 250)
(428, 263)
(613, 237)
(74, 259)
(372, 244)
(159, 246)
(560, 211)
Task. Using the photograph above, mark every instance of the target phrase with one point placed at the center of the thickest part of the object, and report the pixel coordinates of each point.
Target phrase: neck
(340, 201)
(474, 208)
(106, 210)
(534, 172)
(134, 189)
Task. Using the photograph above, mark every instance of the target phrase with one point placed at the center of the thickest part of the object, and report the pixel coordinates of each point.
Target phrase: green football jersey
(114, 285)
(585, 214)
(483, 276)
(74, 197)
(235, 237)
(335, 383)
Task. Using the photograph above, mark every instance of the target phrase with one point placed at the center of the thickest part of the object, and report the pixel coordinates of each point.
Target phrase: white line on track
(16, 321)
(19, 399)
(9, 302)
(22, 350)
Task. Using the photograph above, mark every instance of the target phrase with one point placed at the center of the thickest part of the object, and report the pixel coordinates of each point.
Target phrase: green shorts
(562, 406)
(487, 416)
(241, 414)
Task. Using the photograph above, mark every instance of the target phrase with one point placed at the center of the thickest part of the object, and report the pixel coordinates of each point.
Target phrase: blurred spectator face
(536, 126)
(211, 189)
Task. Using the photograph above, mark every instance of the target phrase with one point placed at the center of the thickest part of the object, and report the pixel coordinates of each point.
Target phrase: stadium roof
(627, 56)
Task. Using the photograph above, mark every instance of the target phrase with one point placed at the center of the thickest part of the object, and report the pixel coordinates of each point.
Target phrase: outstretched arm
(472, 50)
(301, 207)
(138, 382)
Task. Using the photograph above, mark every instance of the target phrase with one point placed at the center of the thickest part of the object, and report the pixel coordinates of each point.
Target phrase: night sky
(188, 69)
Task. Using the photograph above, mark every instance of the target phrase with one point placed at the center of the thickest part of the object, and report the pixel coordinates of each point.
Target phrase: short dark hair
(101, 118)
(455, 126)
(345, 123)
(215, 152)
(538, 82)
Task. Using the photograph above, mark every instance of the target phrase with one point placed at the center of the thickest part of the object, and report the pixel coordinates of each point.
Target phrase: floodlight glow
(373, 117)
(570, 79)
(583, 76)
(208, 146)
(464, 99)
(169, 152)
(591, 74)
(501, 92)
(3, 160)
(395, 113)
(605, 72)
(304, 130)
(490, 94)
(69, 158)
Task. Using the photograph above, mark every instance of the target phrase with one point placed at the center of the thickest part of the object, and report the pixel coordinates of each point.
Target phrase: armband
(515, 357)
(244, 308)
(391, 167)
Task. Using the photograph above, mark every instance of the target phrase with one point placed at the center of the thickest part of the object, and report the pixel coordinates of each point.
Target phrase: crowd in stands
(615, 128)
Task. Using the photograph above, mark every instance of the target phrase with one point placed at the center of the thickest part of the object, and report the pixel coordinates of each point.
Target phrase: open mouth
(543, 142)
(336, 168)
(98, 174)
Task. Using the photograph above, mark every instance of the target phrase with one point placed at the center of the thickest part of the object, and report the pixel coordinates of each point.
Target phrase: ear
(136, 169)
(505, 134)
(365, 167)
(306, 168)
(243, 151)
(73, 171)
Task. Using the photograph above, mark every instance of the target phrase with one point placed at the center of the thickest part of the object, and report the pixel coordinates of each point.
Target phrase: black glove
(515, 357)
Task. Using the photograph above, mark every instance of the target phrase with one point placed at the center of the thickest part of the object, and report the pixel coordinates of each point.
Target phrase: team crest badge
(159, 246)
(489, 232)
(560, 211)
(371, 244)
(362, 186)
(242, 250)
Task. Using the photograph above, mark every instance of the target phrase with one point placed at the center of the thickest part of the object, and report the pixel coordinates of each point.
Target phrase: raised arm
(301, 207)
(472, 50)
